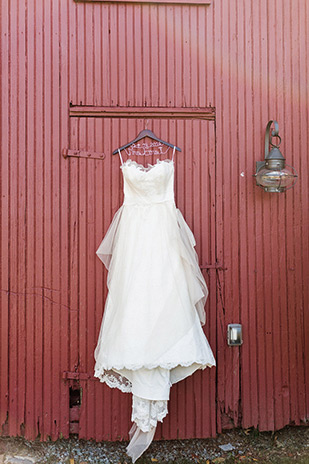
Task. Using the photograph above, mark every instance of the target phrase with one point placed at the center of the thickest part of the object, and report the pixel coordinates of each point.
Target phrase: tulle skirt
(151, 333)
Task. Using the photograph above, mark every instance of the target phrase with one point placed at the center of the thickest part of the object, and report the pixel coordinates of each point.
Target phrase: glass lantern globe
(275, 180)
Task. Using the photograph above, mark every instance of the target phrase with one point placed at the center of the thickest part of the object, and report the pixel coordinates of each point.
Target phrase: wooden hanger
(141, 135)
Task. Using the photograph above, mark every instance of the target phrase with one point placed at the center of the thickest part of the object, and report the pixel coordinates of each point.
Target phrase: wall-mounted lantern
(271, 174)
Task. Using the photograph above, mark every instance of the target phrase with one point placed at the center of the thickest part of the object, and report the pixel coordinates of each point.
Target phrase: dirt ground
(288, 445)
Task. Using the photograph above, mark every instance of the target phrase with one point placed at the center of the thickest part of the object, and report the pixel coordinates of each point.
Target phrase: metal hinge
(68, 153)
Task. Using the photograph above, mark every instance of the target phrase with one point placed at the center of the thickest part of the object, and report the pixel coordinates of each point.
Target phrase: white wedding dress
(151, 332)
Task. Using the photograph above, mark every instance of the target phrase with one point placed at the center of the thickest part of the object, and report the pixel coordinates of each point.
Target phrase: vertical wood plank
(5, 128)
(63, 205)
(13, 428)
(31, 291)
(39, 216)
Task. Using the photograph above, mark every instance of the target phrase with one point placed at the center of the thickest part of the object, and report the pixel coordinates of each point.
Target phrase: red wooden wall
(242, 63)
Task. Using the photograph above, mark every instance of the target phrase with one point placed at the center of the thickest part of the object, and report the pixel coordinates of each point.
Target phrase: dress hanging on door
(151, 332)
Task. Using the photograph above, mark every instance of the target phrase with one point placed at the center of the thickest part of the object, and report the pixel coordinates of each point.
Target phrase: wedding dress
(151, 333)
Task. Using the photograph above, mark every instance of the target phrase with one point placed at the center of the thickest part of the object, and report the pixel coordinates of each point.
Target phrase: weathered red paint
(87, 77)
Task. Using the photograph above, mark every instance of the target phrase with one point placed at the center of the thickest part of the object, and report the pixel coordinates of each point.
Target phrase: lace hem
(166, 365)
(114, 380)
(146, 413)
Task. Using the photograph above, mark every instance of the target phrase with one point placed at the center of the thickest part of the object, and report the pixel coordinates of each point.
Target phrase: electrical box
(234, 335)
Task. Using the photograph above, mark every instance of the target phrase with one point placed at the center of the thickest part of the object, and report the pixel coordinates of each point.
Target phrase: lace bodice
(143, 186)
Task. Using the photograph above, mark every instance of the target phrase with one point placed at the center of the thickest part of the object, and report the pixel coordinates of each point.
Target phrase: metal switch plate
(234, 334)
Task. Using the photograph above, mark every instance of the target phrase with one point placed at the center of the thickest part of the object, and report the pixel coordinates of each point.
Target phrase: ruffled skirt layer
(151, 335)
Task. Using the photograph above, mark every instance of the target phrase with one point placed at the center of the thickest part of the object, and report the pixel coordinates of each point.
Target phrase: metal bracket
(214, 266)
(76, 376)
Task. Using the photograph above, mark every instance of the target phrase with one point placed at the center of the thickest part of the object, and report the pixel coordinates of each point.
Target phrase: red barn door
(95, 195)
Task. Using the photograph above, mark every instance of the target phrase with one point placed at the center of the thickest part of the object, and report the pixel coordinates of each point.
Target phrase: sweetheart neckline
(142, 168)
